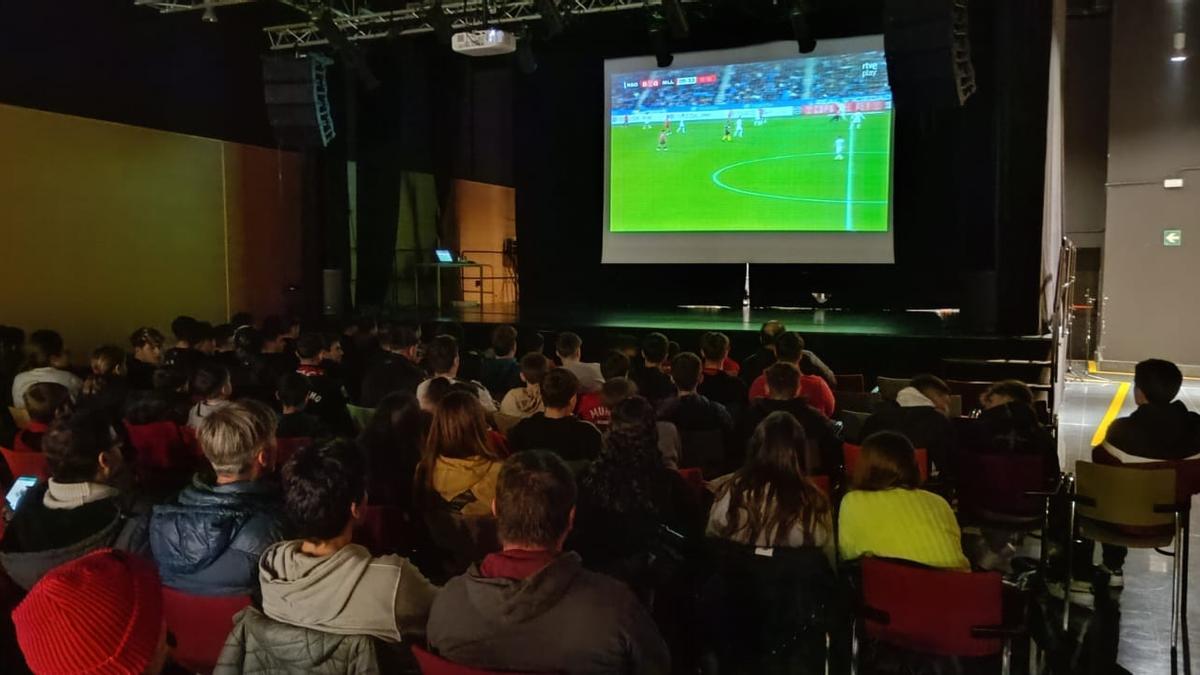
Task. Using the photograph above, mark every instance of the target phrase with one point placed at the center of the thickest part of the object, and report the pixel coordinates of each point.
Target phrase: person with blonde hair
(209, 538)
(886, 513)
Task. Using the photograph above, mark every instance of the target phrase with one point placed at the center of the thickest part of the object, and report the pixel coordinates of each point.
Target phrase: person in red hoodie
(789, 348)
(45, 402)
(532, 607)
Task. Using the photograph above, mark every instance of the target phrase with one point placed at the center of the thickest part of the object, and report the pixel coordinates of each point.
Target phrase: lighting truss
(361, 23)
(173, 6)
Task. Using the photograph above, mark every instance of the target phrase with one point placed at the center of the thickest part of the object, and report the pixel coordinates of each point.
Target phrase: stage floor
(908, 324)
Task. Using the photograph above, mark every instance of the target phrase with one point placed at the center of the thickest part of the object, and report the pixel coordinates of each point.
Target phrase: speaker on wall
(928, 53)
(297, 95)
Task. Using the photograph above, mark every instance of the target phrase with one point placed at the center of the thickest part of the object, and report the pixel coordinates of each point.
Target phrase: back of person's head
(686, 370)
(634, 424)
(100, 613)
(655, 347)
(74, 444)
(535, 500)
(714, 347)
(146, 336)
(887, 461)
(783, 380)
(929, 384)
(204, 338)
(45, 346)
(400, 336)
(789, 347)
(170, 379)
(247, 342)
(559, 387)
(452, 328)
(459, 429)
(437, 390)
(184, 328)
(233, 435)
(534, 367)
(774, 473)
(626, 344)
(310, 345)
(568, 344)
(1007, 391)
(241, 319)
(272, 328)
(616, 390)
(321, 482)
(209, 380)
(107, 359)
(770, 331)
(1158, 380)
(615, 364)
(504, 340)
(293, 390)
(46, 401)
(223, 337)
(397, 417)
(442, 353)
(530, 342)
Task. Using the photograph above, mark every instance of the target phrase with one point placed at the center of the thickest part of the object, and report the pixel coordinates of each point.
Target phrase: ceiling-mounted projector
(487, 42)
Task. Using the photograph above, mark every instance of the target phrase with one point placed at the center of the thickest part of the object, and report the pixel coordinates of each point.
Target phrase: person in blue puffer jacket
(208, 540)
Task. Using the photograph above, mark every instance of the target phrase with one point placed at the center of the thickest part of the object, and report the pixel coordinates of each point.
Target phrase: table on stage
(438, 267)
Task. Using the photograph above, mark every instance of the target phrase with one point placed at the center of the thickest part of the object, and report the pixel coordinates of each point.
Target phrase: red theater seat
(431, 664)
(851, 453)
(200, 624)
(26, 463)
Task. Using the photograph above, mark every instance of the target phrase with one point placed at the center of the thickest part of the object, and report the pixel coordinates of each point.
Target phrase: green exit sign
(1172, 237)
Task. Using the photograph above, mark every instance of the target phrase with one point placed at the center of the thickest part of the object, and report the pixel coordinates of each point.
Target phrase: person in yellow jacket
(461, 462)
(887, 515)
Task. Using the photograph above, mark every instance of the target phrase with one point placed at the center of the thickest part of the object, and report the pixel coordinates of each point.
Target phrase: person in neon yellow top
(886, 515)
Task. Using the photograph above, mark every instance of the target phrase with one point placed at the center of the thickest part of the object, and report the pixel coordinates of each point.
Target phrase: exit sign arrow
(1172, 237)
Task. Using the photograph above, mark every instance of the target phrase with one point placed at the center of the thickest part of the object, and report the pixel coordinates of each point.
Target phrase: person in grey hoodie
(534, 608)
(322, 581)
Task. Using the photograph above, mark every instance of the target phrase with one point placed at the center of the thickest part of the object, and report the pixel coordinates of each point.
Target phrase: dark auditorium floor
(1145, 604)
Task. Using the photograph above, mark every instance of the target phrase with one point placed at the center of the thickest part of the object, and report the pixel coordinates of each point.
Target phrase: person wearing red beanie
(101, 613)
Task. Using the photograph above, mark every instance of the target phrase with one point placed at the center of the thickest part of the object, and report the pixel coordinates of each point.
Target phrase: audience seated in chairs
(532, 607)
(321, 580)
(208, 539)
(328, 397)
(769, 501)
(460, 464)
(500, 370)
(1161, 429)
(84, 506)
(147, 344)
(596, 407)
(558, 429)
(1009, 425)
(920, 414)
(824, 448)
(526, 400)
(886, 514)
(392, 444)
(295, 421)
(46, 361)
(394, 367)
(45, 402)
(789, 348)
(627, 496)
(101, 613)
(211, 387)
(443, 359)
(569, 349)
(718, 385)
(651, 377)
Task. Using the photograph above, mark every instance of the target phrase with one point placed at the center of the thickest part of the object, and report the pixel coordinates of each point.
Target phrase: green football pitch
(782, 176)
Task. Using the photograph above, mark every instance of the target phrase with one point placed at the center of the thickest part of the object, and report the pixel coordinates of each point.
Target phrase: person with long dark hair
(392, 444)
(628, 493)
(769, 502)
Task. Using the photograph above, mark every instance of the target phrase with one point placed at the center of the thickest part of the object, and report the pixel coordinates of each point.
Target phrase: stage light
(210, 14)
(800, 28)
(1179, 54)
(553, 20)
(659, 40)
